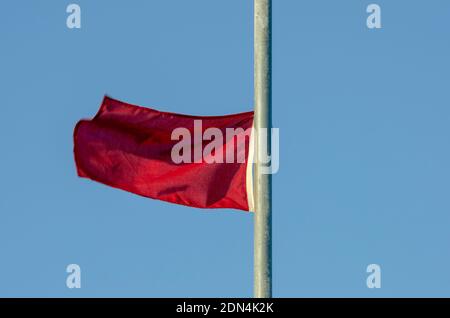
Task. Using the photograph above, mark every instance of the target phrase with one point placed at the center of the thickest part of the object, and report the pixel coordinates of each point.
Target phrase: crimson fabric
(129, 147)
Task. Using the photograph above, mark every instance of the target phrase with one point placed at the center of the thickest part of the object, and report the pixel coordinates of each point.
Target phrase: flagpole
(263, 119)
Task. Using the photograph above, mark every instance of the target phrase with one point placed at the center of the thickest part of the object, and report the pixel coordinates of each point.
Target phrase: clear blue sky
(365, 158)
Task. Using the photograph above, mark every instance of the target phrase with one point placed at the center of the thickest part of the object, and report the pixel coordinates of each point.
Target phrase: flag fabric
(132, 148)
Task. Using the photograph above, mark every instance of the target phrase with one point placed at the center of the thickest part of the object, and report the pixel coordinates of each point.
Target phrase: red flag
(166, 156)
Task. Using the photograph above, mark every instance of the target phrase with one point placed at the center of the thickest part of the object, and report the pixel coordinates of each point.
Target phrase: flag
(198, 161)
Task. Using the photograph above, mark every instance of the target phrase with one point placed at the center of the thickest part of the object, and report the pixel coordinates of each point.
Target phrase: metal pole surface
(263, 120)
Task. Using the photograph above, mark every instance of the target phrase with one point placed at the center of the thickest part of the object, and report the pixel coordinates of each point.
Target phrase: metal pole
(263, 119)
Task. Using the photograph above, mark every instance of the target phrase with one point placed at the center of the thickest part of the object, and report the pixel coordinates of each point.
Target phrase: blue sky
(364, 166)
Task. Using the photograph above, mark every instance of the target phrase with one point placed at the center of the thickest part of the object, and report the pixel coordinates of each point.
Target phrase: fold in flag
(198, 161)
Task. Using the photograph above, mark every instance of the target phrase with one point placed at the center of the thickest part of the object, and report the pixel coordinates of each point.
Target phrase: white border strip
(249, 172)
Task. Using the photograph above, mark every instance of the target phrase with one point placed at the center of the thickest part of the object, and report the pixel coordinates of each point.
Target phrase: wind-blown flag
(138, 149)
